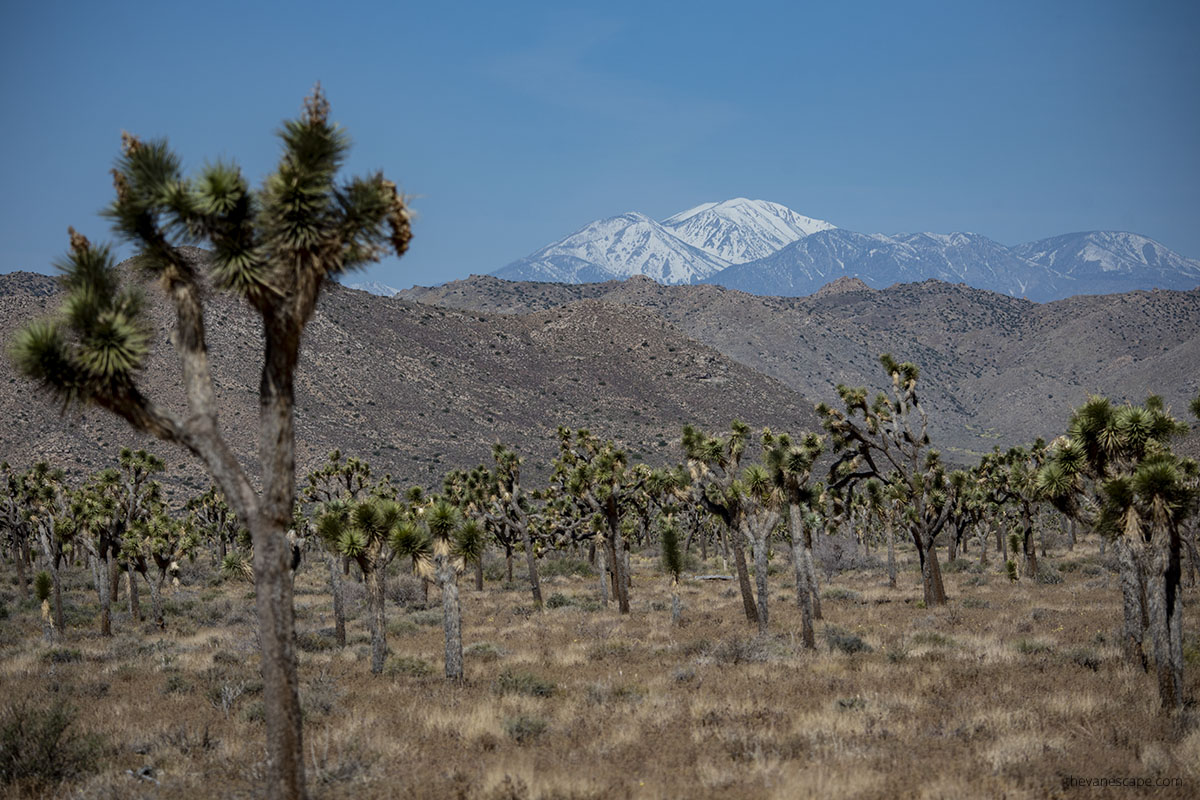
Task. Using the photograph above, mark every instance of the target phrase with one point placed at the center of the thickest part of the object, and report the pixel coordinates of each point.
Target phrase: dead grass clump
(1033, 647)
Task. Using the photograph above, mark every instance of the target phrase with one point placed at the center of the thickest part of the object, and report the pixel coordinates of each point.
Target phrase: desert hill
(418, 390)
(996, 370)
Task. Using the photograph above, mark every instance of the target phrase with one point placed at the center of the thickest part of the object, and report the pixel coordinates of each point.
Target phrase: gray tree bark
(339, 601)
(378, 623)
(451, 616)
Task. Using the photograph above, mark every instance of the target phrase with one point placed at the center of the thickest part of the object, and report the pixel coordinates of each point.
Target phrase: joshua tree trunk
(531, 564)
(114, 578)
(621, 587)
(105, 563)
(739, 558)
(375, 599)
(135, 603)
(891, 545)
(931, 573)
(1133, 604)
(602, 569)
(56, 574)
(1164, 607)
(803, 592)
(810, 564)
(156, 604)
(21, 556)
(451, 616)
(1028, 545)
(479, 574)
(339, 602)
(508, 559)
(675, 609)
(760, 576)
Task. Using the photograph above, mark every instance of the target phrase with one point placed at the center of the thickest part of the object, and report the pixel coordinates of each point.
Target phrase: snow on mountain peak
(741, 230)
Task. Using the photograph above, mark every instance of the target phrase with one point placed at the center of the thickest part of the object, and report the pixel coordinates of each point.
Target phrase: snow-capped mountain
(880, 261)
(617, 247)
(766, 248)
(374, 287)
(1104, 262)
(742, 230)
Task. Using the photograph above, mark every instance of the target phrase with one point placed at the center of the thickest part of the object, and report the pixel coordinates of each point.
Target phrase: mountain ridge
(766, 248)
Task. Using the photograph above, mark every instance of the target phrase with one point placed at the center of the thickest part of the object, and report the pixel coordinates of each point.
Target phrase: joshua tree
(758, 500)
(1012, 477)
(594, 473)
(508, 510)
(274, 249)
(216, 522)
(1115, 471)
(454, 543)
(158, 540)
(98, 512)
(47, 512)
(363, 531)
(790, 466)
(338, 479)
(17, 532)
(888, 439)
(672, 560)
(712, 462)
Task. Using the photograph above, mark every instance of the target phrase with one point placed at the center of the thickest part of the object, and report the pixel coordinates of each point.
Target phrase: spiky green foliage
(42, 586)
(672, 556)
(273, 247)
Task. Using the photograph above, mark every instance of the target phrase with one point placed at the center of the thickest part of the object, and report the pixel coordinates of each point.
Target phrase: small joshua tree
(672, 560)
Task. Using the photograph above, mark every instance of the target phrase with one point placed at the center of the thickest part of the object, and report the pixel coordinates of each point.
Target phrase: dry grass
(1008, 691)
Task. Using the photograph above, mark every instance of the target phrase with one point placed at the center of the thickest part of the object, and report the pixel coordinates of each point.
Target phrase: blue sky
(515, 124)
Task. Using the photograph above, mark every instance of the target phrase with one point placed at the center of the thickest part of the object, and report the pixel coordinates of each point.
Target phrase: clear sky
(514, 124)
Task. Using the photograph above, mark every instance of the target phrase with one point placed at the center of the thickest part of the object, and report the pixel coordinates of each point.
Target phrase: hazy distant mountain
(766, 248)
(374, 287)
(742, 230)
(1104, 262)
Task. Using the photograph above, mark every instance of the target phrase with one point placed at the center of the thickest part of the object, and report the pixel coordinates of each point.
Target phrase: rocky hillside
(419, 390)
(997, 370)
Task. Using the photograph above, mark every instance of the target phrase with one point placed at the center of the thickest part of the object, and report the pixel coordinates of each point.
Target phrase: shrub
(482, 651)
(61, 655)
(519, 682)
(975, 602)
(932, 639)
(1048, 573)
(407, 665)
(558, 600)
(841, 593)
(565, 567)
(314, 642)
(37, 745)
(1085, 658)
(524, 728)
(1032, 647)
(845, 641)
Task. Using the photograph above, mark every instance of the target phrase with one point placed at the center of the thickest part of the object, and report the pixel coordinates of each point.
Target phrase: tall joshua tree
(713, 463)
(887, 438)
(363, 531)
(455, 542)
(274, 248)
(1115, 471)
(790, 466)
